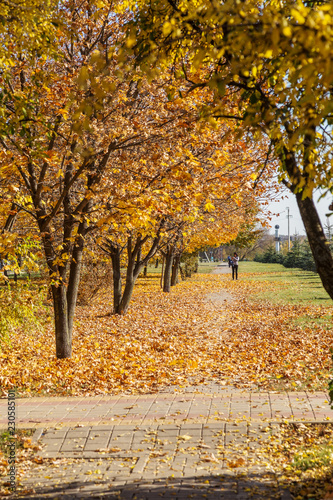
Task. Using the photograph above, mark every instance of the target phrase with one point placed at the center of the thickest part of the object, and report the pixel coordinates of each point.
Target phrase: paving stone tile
(174, 407)
(76, 433)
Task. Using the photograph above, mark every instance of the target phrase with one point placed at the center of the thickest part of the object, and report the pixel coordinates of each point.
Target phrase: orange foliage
(164, 340)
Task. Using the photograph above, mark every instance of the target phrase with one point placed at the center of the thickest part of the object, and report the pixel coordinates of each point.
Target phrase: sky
(279, 214)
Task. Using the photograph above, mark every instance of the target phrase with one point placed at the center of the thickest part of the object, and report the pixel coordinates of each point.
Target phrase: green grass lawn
(291, 285)
(207, 267)
(6, 439)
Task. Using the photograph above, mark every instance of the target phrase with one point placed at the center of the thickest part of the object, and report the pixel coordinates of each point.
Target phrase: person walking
(235, 260)
(229, 261)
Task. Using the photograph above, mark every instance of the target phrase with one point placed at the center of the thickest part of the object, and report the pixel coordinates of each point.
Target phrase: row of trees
(273, 62)
(100, 159)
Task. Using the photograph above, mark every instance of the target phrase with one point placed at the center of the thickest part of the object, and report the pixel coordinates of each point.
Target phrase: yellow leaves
(308, 189)
(239, 462)
(297, 16)
(287, 31)
(209, 207)
(176, 339)
(167, 28)
(83, 77)
(64, 113)
(184, 437)
(130, 41)
(177, 362)
(198, 58)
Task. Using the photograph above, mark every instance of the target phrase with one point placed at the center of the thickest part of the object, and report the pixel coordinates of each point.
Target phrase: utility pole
(288, 217)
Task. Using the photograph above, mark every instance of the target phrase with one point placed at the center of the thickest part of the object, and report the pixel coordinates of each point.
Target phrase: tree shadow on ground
(252, 485)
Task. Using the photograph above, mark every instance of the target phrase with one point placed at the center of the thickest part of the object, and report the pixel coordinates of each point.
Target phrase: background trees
(274, 63)
(184, 189)
(299, 256)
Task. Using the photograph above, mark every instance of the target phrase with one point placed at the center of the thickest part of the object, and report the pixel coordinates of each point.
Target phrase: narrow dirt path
(220, 300)
(222, 297)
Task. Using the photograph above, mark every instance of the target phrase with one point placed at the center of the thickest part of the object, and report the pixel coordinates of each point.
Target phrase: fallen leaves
(185, 437)
(108, 450)
(233, 464)
(25, 456)
(175, 339)
(302, 456)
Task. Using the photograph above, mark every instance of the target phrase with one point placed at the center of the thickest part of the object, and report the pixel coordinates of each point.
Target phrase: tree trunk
(63, 336)
(317, 241)
(175, 267)
(162, 271)
(145, 270)
(64, 297)
(9, 224)
(74, 281)
(182, 274)
(62, 333)
(115, 257)
(135, 263)
(129, 285)
(127, 294)
(167, 270)
(134, 267)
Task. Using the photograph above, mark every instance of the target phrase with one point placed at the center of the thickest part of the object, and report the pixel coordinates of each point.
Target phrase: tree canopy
(273, 63)
(93, 152)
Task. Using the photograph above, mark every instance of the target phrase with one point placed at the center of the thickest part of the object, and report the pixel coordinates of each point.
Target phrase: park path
(183, 442)
(199, 442)
(206, 404)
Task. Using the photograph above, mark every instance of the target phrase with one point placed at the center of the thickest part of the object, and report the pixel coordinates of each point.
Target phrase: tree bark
(62, 333)
(9, 224)
(175, 268)
(135, 263)
(317, 241)
(63, 336)
(74, 279)
(167, 271)
(115, 258)
(182, 273)
(127, 294)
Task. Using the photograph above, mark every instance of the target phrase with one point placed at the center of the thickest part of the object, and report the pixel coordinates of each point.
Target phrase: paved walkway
(204, 404)
(200, 442)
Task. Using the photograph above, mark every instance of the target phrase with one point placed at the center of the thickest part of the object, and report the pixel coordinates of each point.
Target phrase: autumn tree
(27, 25)
(65, 116)
(224, 203)
(159, 186)
(172, 185)
(274, 62)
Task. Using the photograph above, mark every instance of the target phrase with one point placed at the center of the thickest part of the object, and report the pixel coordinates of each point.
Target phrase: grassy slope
(293, 286)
